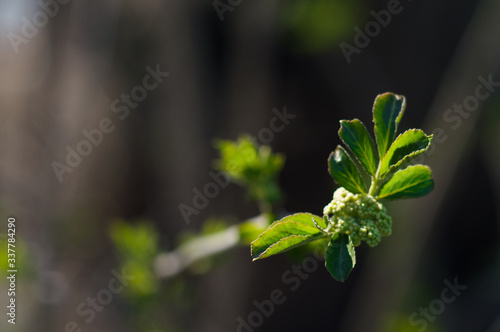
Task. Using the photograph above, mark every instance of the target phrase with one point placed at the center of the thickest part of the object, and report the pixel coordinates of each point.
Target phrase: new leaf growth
(355, 214)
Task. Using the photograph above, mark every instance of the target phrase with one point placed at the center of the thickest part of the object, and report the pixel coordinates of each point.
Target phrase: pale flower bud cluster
(359, 216)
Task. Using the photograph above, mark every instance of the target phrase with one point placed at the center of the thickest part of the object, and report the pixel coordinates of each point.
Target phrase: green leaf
(305, 218)
(345, 172)
(408, 145)
(357, 138)
(287, 233)
(388, 110)
(250, 230)
(253, 166)
(340, 257)
(411, 182)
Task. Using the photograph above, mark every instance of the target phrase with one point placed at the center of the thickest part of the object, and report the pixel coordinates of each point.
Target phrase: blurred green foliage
(23, 263)
(137, 246)
(249, 231)
(210, 226)
(254, 167)
(400, 322)
(317, 25)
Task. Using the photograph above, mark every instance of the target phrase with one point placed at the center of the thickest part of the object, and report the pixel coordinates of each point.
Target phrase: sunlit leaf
(411, 182)
(345, 172)
(286, 234)
(357, 138)
(388, 110)
(406, 146)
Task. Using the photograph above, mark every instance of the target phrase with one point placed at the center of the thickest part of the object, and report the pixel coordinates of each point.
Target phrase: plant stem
(373, 186)
(169, 264)
(375, 179)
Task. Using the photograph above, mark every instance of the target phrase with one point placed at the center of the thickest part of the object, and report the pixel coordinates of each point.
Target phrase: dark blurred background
(230, 63)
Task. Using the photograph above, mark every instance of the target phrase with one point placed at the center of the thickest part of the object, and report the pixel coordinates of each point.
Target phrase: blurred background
(150, 84)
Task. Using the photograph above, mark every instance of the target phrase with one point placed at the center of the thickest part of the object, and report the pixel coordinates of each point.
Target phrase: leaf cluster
(254, 167)
(376, 168)
(385, 162)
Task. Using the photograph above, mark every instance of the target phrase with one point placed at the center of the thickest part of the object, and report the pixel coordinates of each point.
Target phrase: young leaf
(340, 257)
(345, 172)
(411, 182)
(406, 146)
(354, 134)
(305, 218)
(284, 235)
(388, 110)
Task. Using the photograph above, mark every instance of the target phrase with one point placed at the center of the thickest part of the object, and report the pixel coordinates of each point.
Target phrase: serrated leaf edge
(396, 120)
(371, 172)
(307, 239)
(363, 189)
(408, 156)
(351, 253)
(402, 170)
(292, 215)
(317, 232)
